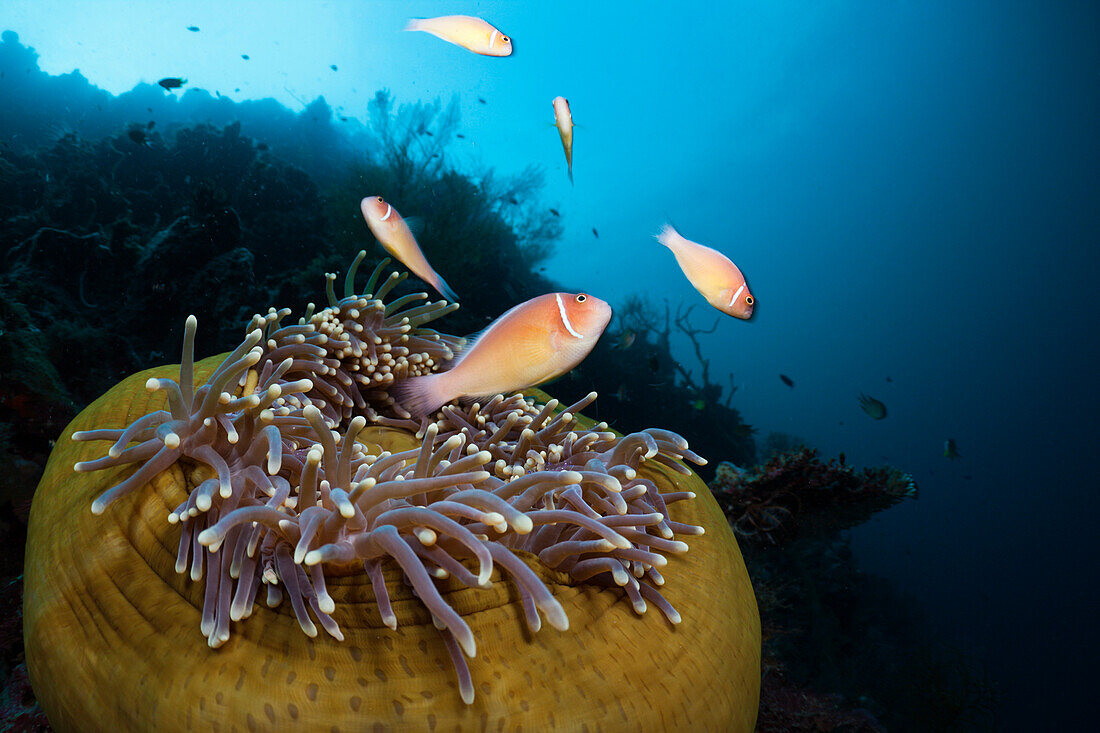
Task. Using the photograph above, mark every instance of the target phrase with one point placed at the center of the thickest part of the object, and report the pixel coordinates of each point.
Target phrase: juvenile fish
(950, 450)
(873, 407)
(625, 340)
(473, 34)
(711, 273)
(394, 234)
(534, 342)
(563, 119)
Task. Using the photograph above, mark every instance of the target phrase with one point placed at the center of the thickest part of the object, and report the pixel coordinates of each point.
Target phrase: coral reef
(787, 707)
(796, 493)
(100, 233)
(19, 710)
(292, 467)
(842, 651)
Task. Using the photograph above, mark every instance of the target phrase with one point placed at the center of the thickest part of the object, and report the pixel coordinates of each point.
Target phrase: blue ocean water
(911, 190)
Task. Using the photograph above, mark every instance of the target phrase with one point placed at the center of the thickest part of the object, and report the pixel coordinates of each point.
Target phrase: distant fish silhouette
(872, 407)
(950, 450)
(555, 212)
(151, 124)
(595, 233)
(193, 28)
(137, 135)
(333, 67)
(460, 136)
(172, 82)
(245, 56)
(625, 340)
(482, 100)
(787, 380)
(888, 379)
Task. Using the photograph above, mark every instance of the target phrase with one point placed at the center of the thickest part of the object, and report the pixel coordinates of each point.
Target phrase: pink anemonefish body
(532, 343)
(563, 119)
(473, 34)
(394, 234)
(711, 273)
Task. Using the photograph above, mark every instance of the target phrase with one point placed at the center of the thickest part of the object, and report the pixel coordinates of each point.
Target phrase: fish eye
(749, 300)
(581, 298)
(380, 200)
(505, 39)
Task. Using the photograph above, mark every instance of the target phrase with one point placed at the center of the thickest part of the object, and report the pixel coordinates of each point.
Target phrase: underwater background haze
(912, 190)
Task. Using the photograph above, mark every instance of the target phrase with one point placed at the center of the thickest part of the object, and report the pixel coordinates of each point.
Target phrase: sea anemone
(290, 469)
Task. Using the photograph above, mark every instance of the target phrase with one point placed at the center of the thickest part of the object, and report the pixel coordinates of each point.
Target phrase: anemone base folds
(113, 641)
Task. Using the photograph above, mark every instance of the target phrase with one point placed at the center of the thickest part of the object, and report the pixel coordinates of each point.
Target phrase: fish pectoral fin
(558, 342)
(444, 289)
(416, 225)
(469, 399)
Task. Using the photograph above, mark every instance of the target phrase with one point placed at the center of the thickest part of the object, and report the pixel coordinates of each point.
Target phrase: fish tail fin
(665, 235)
(571, 175)
(422, 395)
(413, 24)
(444, 289)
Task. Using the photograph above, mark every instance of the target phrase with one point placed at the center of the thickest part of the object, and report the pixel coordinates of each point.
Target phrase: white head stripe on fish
(565, 318)
(734, 298)
(493, 38)
(389, 210)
